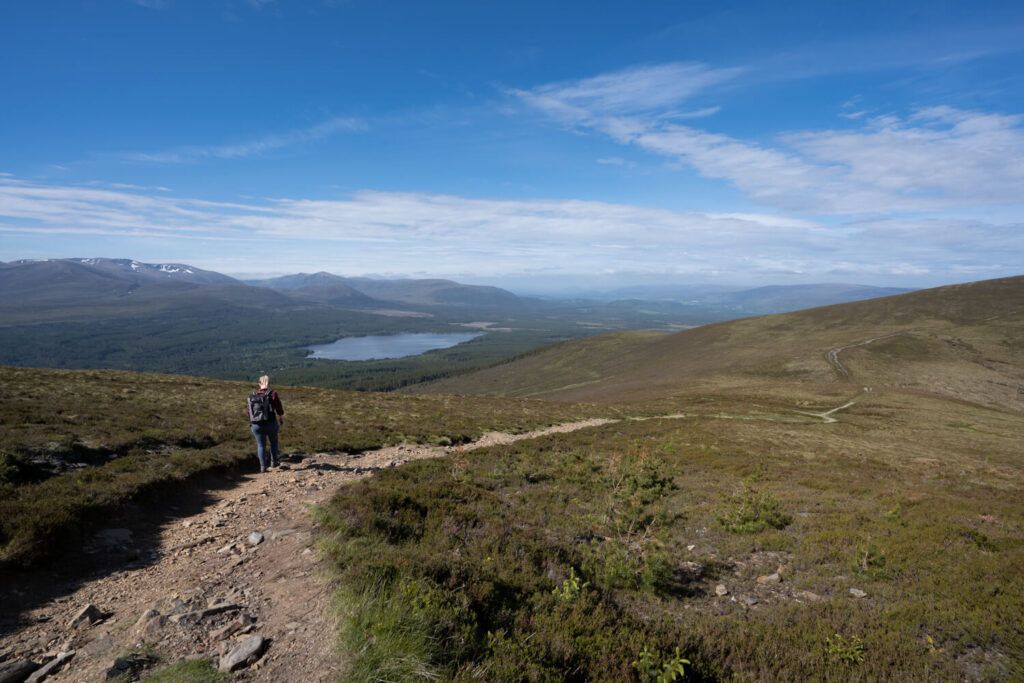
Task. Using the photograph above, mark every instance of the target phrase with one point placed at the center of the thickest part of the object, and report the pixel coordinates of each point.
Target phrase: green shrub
(844, 651)
(869, 563)
(651, 668)
(571, 588)
(751, 511)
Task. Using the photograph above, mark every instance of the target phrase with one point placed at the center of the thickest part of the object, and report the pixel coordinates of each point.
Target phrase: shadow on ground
(128, 538)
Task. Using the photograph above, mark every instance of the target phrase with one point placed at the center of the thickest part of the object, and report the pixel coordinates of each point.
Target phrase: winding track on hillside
(832, 355)
(212, 587)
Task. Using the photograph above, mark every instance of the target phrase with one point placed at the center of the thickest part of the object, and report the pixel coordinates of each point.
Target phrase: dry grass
(961, 341)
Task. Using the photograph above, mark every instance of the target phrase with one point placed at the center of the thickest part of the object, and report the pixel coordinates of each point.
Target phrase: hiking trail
(240, 570)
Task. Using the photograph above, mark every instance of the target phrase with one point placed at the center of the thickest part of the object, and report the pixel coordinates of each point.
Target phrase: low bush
(595, 555)
(751, 511)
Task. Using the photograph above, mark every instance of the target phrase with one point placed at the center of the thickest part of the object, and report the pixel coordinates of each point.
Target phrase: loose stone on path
(248, 649)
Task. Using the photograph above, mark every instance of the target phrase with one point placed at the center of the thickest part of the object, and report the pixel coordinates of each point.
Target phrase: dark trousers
(262, 431)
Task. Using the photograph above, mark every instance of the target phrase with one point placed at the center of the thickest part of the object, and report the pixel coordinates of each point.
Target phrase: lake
(388, 346)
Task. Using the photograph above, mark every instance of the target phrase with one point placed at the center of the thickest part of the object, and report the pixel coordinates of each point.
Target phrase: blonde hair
(264, 381)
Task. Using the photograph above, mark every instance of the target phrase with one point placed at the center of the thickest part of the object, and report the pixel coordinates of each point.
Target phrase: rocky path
(237, 582)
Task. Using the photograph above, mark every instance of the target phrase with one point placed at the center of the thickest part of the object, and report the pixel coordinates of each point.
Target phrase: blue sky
(526, 144)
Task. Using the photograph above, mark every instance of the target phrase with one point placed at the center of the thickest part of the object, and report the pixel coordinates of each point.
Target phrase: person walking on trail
(265, 415)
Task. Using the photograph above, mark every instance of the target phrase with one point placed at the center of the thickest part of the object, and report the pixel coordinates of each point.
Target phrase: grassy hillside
(884, 546)
(76, 446)
(757, 513)
(962, 340)
(786, 518)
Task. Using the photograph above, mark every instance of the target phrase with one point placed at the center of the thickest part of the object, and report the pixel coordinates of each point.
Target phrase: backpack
(261, 408)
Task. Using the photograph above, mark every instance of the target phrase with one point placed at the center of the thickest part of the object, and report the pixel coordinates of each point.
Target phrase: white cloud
(936, 158)
(154, 4)
(629, 91)
(269, 143)
(447, 235)
(616, 161)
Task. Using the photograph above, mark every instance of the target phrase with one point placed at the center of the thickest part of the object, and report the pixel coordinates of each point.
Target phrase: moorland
(828, 494)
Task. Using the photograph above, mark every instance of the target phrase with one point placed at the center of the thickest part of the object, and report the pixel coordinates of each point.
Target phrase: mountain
(130, 270)
(97, 289)
(435, 292)
(74, 282)
(961, 340)
(58, 282)
(335, 295)
(413, 292)
(299, 281)
(747, 301)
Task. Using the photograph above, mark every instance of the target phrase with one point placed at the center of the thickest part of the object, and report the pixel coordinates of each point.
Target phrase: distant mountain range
(428, 292)
(767, 299)
(172, 317)
(58, 283)
(71, 282)
(123, 270)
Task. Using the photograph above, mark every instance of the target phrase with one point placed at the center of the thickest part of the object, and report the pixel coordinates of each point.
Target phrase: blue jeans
(263, 430)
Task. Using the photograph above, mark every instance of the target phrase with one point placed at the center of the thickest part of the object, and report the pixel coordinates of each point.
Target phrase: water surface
(388, 346)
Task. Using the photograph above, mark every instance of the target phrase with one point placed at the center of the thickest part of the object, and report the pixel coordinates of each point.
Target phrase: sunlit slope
(965, 341)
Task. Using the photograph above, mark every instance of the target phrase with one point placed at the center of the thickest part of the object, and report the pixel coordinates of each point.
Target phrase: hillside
(412, 292)
(749, 506)
(961, 341)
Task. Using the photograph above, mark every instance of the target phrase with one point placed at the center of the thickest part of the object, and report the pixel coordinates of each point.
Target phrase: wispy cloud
(154, 4)
(936, 158)
(641, 89)
(269, 143)
(129, 186)
(616, 161)
(446, 235)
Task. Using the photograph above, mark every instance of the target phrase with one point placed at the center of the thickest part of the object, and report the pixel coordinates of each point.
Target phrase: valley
(174, 318)
(829, 494)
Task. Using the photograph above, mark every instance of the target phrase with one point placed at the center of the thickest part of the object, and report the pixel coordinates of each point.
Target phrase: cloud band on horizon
(411, 232)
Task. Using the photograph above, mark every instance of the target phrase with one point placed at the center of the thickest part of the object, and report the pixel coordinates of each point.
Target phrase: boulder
(87, 616)
(245, 653)
(149, 624)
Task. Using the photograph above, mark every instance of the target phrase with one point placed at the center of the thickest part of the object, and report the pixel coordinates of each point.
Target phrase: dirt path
(832, 355)
(210, 584)
(241, 568)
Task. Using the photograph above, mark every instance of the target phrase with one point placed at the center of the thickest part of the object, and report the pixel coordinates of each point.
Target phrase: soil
(197, 583)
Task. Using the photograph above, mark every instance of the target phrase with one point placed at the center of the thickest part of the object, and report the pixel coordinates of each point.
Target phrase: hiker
(265, 413)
